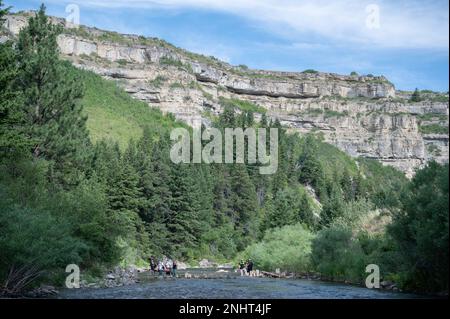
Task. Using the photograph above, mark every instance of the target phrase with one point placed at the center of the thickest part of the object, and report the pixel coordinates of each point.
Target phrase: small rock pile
(115, 278)
(121, 277)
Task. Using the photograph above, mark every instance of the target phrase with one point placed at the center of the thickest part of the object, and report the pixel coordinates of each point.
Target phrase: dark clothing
(250, 266)
(152, 265)
(174, 269)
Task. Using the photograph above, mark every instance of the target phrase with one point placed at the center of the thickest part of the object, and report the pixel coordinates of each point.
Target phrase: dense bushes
(413, 252)
(45, 229)
(337, 255)
(31, 237)
(287, 248)
(420, 230)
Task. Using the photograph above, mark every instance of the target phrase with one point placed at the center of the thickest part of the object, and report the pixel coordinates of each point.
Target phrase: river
(233, 287)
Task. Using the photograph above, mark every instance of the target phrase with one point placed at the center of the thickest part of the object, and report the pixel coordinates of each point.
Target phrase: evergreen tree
(280, 179)
(12, 138)
(420, 230)
(227, 118)
(308, 163)
(290, 206)
(51, 93)
(221, 193)
(348, 186)
(157, 189)
(415, 97)
(263, 122)
(250, 121)
(333, 207)
(3, 12)
(243, 203)
(183, 223)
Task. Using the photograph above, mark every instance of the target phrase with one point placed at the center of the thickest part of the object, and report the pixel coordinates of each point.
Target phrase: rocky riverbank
(206, 269)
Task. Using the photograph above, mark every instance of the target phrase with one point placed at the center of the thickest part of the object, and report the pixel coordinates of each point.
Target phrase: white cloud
(403, 24)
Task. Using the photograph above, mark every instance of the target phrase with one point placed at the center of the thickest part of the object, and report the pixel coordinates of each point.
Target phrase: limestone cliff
(363, 115)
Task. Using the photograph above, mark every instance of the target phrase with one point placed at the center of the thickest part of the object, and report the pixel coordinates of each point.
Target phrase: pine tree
(228, 118)
(183, 223)
(124, 192)
(348, 186)
(12, 138)
(415, 97)
(263, 122)
(3, 12)
(204, 181)
(308, 163)
(243, 203)
(333, 207)
(51, 97)
(250, 119)
(280, 179)
(157, 189)
(221, 194)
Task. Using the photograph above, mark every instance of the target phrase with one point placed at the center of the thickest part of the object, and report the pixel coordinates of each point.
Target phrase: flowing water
(232, 287)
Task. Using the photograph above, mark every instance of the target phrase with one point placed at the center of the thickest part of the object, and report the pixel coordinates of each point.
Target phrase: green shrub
(336, 255)
(287, 248)
(433, 129)
(420, 230)
(245, 106)
(31, 234)
(310, 71)
(158, 81)
(177, 63)
(176, 85)
(416, 97)
(32, 237)
(331, 113)
(382, 184)
(432, 116)
(122, 62)
(219, 243)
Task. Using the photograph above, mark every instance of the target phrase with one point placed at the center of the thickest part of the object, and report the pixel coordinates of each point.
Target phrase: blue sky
(405, 40)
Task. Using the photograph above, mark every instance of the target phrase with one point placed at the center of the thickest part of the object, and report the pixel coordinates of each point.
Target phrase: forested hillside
(86, 178)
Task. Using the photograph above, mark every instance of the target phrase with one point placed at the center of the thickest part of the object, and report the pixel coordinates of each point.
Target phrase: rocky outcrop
(362, 115)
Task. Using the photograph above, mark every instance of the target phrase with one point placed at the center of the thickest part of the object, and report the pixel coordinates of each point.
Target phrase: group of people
(245, 267)
(169, 267)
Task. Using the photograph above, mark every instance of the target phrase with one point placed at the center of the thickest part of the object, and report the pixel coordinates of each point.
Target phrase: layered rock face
(362, 115)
